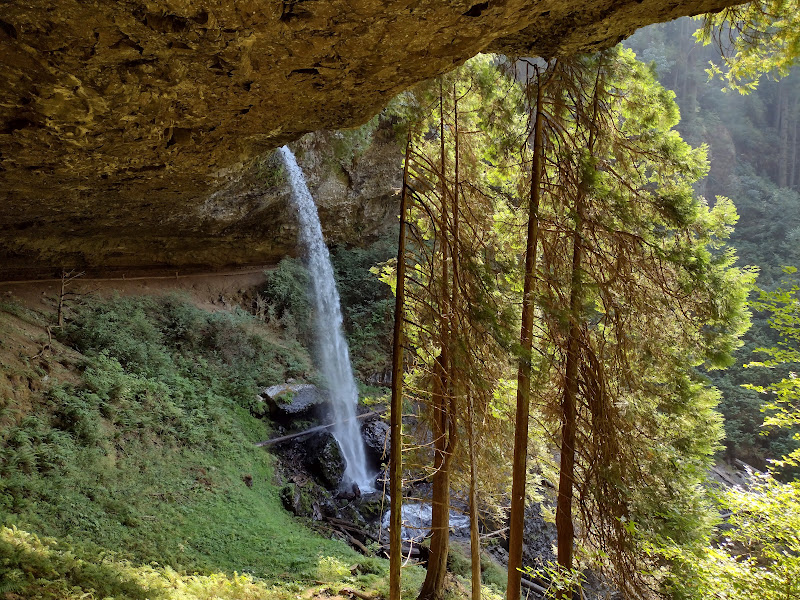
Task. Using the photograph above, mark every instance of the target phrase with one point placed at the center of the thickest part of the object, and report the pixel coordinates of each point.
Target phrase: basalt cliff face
(136, 133)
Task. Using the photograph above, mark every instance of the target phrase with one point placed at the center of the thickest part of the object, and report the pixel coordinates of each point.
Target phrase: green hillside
(129, 470)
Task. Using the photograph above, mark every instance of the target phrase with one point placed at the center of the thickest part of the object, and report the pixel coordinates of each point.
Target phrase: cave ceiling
(130, 129)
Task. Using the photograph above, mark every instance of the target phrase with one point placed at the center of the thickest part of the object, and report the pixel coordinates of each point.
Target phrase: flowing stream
(333, 354)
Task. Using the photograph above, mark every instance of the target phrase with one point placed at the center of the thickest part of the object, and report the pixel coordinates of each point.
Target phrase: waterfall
(333, 355)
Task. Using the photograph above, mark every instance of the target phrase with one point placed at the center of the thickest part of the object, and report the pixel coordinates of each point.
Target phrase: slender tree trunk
(565, 528)
(474, 538)
(519, 469)
(396, 417)
(778, 102)
(689, 83)
(62, 293)
(783, 137)
(433, 586)
(564, 525)
(793, 157)
(681, 67)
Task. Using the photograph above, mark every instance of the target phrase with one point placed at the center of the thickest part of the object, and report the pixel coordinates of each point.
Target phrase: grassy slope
(126, 447)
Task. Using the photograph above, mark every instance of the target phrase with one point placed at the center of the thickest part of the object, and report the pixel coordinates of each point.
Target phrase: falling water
(334, 357)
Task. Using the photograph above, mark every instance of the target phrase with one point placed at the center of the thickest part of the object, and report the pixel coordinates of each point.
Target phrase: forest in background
(755, 161)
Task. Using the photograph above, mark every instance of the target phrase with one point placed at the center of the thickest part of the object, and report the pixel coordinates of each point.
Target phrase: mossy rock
(325, 460)
(307, 499)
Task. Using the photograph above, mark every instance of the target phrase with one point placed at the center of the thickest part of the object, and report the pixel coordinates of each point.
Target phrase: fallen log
(291, 436)
(356, 593)
(354, 542)
(494, 533)
(342, 524)
(534, 587)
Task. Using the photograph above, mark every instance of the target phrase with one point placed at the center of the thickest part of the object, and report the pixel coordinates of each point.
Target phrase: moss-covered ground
(127, 462)
(128, 467)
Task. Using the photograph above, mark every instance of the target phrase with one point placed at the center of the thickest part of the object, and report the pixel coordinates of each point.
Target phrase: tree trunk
(519, 469)
(565, 528)
(793, 159)
(474, 538)
(433, 586)
(475, 549)
(783, 136)
(396, 416)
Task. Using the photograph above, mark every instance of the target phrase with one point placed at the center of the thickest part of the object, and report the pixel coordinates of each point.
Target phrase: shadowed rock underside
(134, 133)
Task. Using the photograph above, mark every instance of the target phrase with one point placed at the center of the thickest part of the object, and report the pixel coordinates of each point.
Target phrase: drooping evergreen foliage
(634, 289)
(632, 297)
(755, 38)
(463, 128)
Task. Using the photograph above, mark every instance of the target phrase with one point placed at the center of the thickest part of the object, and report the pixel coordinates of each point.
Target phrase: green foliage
(18, 310)
(759, 554)
(286, 291)
(167, 342)
(783, 403)
(493, 574)
(756, 557)
(658, 293)
(484, 107)
(270, 170)
(638, 291)
(562, 582)
(29, 562)
(458, 561)
(366, 303)
(350, 144)
(49, 569)
(759, 37)
(145, 457)
(753, 164)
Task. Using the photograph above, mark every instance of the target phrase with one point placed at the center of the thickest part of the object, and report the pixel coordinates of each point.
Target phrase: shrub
(286, 290)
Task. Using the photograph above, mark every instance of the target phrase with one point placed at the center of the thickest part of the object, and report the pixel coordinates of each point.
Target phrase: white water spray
(334, 356)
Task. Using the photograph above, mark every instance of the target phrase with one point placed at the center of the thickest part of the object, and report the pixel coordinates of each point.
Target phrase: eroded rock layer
(129, 129)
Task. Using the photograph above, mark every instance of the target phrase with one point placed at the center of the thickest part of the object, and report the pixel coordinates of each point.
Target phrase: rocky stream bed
(310, 475)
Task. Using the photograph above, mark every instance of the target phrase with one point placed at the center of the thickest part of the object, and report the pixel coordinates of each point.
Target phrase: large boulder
(377, 439)
(293, 401)
(304, 497)
(324, 459)
(540, 538)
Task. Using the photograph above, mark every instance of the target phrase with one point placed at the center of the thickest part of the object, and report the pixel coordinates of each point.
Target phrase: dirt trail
(210, 290)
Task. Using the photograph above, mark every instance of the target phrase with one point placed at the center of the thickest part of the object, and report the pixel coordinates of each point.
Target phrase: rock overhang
(125, 125)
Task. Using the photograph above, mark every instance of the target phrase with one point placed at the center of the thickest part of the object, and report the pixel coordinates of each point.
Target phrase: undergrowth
(44, 568)
(367, 304)
(142, 480)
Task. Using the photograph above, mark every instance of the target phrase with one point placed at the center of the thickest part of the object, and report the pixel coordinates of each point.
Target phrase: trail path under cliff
(215, 290)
